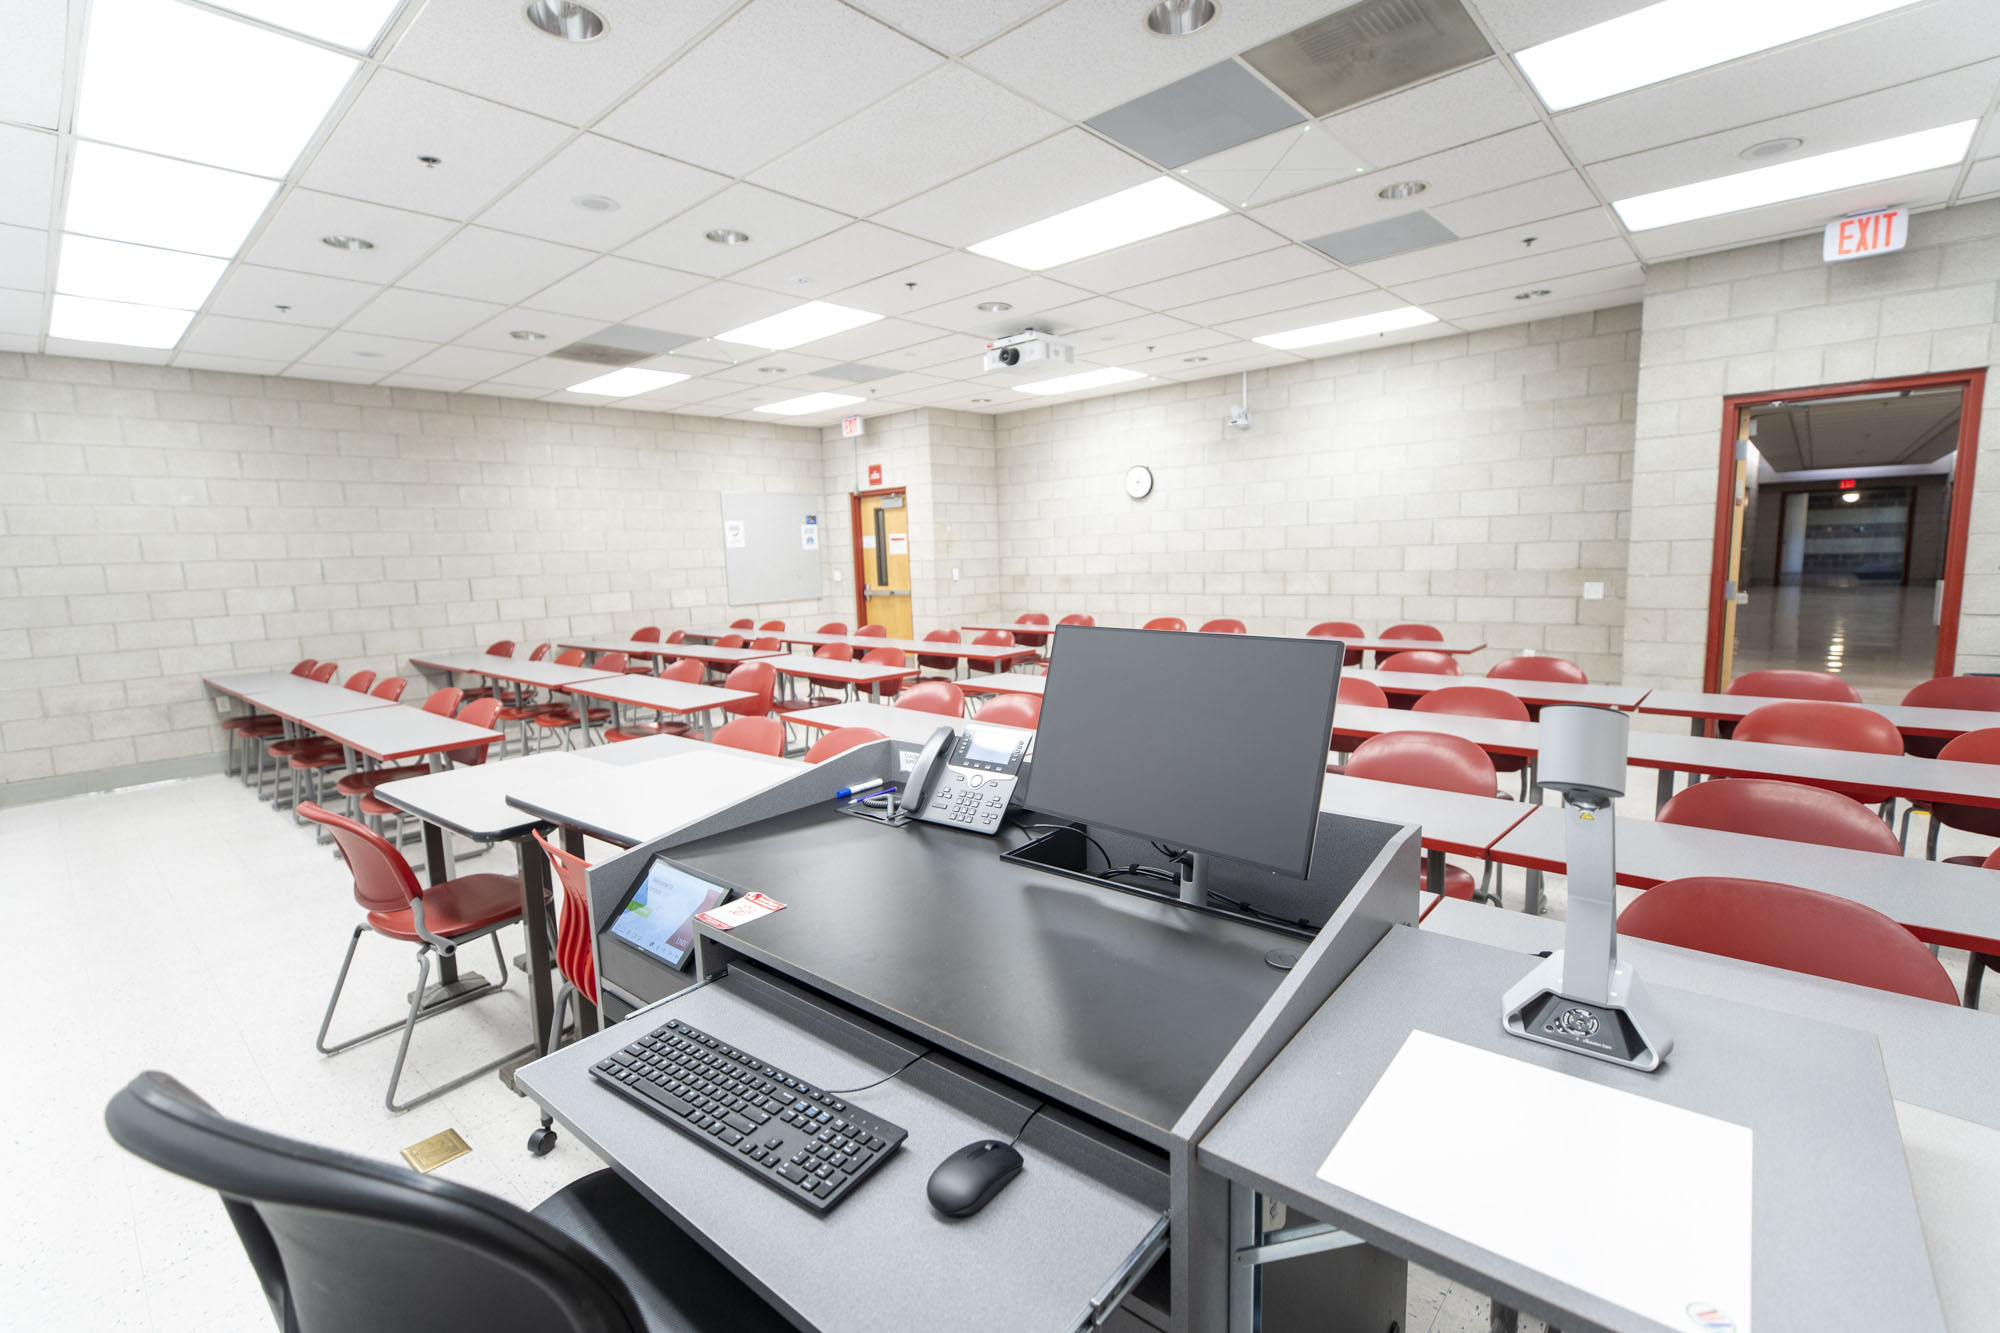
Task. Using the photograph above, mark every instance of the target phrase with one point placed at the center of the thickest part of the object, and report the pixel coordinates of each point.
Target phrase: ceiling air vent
(622, 345)
(1368, 49)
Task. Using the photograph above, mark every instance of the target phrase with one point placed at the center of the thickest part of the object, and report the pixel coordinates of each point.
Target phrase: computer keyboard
(811, 1144)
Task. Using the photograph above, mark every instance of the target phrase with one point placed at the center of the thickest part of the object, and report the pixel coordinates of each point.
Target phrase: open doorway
(882, 562)
(1840, 531)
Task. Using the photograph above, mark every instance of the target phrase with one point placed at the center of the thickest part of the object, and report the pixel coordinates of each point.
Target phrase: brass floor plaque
(435, 1151)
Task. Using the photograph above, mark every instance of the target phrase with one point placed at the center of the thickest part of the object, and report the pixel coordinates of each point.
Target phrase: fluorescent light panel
(1088, 379)
(139, 274)
(812, 402)
(170, 78)
(1159, 206)
(86, 320)
(126, 196)
(354, 24)
(624, 383)
(1677, 37)
(1883, 160)
(1343, 330)
(799, 325)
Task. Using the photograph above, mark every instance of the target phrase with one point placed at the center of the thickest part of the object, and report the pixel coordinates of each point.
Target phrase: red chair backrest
(1769, 808)
(612, 662)
(759, 735)
(894, 657)
(934, 696)
(1783, 925)
(1425, 759)
(305, 666)
(570, 657)
(478, 713)
(501, 648)
(1825, 726)
(832, 627)
(573, 946)
(1078, 619)
(872, 632)
(1362, 693)
(994, 638)
(445, 701)
(934, 660)
(361, 682)
(732, 641)
(323, 672)
(540, 654)
(760, 679)
(1013, 710)
(1472, 701)
(775, 626)
(679, 636)
(1339, 629)
(1224, 626)
(1165, 622)
(650, 634)
(390, 688)
(1973, 747)
(687, 671)
(769, 643)
(383, 880)
(1966, 692)
(1429, 633)
(1437, 664)
(1791, 683)
(840, 741)
(1028, 639)
(835, 652)
(1559, 669)
(745, 623)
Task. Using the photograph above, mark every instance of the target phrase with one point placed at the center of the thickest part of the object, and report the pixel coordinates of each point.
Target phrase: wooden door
(882, 561)
(1734, 593)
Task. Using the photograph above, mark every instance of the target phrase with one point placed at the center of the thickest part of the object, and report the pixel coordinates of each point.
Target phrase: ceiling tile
(1370, 302)
(1030, 297)
(1276, 166)
(239, 365)
(873, 159)
(952, 28)
(761, 83)
(494, 266)
(1235, 275)
(1982, 180)
(144, 356)
(1516, 24)
(465, 363)
(1221, 356)
(422, 315)
(709, 310)
(1207, 112)
(1072, 168)
(1231, 236)
(366, 353)
(1530, 201)
(404, 379)
(952, 273)
(1378, 240)
(961, 347)
(645, 186)
(261, 339)
(774, 222)
(489, 49)
(291, 238)
(1565, 289)
(331, 374)
(23, 257)
(1329, 285)
(855, 253)
(1497, 247)
(374, 152)
(776, 368)
(28, 166)
(496, 334)
(1091, 312)
(1528, 272)
(1797, 217)
(611, 288)
(20, 312)
(871, 341)
(1472, 103)
(32, 62)
(1607, 300)
(547, 373)
(252, 292)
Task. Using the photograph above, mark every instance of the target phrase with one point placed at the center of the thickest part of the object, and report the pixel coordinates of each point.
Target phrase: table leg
(438, 870)
(1536, 904)
(535, 923)
(1665, 791)
(1434, 872)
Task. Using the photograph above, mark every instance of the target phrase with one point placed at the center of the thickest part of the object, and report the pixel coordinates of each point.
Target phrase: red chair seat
(633, 731)
(254, 724)
(360, 784)
(1457, 883)
(470, 902)
(557, 715)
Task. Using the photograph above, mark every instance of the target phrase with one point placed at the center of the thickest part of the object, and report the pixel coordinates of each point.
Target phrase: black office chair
(344, 1243)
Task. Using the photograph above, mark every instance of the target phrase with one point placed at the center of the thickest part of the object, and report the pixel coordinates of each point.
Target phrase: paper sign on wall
(732, 534)
(899, 544)
(874, 474)
(809, 537)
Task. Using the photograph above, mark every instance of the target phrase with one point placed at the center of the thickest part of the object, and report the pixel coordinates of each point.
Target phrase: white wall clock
(1139, 482)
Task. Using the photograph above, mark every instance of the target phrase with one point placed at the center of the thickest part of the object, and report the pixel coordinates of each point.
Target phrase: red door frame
(1972, 386)
(854, 499)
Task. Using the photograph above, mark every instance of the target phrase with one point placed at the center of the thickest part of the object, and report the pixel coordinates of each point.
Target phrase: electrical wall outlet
(1593, 592)
(954, 573)
(836, 576)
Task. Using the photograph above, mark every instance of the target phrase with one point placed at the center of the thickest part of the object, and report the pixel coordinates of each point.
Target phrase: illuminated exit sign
(1866, 234)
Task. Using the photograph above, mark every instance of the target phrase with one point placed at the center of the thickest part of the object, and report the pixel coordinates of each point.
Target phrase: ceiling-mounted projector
(1028, 350)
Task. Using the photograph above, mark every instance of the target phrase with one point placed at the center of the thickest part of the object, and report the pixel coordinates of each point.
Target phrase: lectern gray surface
(1836, 1241)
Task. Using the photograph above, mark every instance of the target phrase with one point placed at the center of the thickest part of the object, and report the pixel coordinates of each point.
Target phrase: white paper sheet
(1640, 1203)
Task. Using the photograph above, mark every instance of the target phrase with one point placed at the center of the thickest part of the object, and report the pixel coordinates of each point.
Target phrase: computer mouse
(968, 1179)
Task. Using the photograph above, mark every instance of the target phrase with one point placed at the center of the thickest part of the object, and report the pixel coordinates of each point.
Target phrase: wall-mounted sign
(850, 426)
(1864, 234)
(874, 474)
(733, 534)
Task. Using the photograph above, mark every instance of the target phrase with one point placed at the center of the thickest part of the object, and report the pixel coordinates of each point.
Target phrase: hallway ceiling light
(114, 271)
(1089, 379)
(1884, 159)
(812, 402)
(560, 18)
(799, 325)
(117, 322)
(1178, 18)
(624, 383)
(1154, 208)
(171, 78)
(126, 196)
(1849, 497)
(354, 24)
(1342, 330)
(1676, 37)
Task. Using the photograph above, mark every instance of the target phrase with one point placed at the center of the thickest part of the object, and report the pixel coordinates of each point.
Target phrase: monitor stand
(1194, 883)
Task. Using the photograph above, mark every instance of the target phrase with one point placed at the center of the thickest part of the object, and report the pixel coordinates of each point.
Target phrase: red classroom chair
(561, 717)
(498, 648)
(1362, 694)
(1972, 693)
(1783, 925)
(1427, 633)
(323, 673)
(1442, 763)
(934, 696)
(1816, 724)
(894, 657)
(1339, 629)
(839, 741)
(936, 661)
(478, 713)
(644, 666)
(1770, 808)
(1788, 683)
(770, 626)
(1174, 623)
(826, 652)
(687, 672)
(1077, 618)
(872, 632)
(1559, 670)
(758, 735)
(1224, 626)
(1027, 637)
(576, 964)
(1481, 701)
(759, 680)
(442, 702)
(745, 623)
(999, 638)
(1974, 747)
(832, 627)
(1013, 710)
(1437, 664)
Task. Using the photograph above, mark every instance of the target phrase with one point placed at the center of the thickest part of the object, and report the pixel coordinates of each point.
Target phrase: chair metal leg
(1975, 975)
(409, 1027)
(339, 983)
(1904, 834)
(1930, 843)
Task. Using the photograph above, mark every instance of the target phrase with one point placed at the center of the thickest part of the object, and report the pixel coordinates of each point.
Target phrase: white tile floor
(1879, 637)
(186, 927)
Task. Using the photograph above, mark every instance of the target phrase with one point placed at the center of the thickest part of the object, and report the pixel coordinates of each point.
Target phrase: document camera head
(1583, 754)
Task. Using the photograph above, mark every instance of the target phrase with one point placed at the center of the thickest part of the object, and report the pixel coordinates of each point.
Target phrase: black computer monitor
(1211, 742)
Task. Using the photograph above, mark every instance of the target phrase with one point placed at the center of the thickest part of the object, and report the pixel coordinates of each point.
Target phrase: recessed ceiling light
(1341, 330)
(1178, 18)
(1088, 379)
(369, 356)
(799, 325)
(170, 78)
(1883, 160)
(770, 370)
(1531, 295)
(347, 243)
(1676, 37)
(1160, 205)
(1769, 148)
(728, 236)
(624, 383)
(812, 402)
(1194, 360)
(1402, 190)
(596, 203)
(982, 400)
(560, 18)
(527, 335)
(995, 307)
(86, 320)
(138, 274)
(127, 196)
(1850, 497)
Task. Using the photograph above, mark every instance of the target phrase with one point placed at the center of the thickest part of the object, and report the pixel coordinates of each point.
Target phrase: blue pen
(846, 792)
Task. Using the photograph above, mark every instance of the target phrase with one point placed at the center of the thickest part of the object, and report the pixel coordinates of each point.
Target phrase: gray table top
(1496, 734)
(1527, 691)
(1451, 821)
(708, 652)
(858, 673)
(1005, 682)
(1906, 775)
(911, 725)
(519, 670)
(1732, 707)
(400, 733)
(631, 804)
(473, 800)
(1833, 1248)
(663, 696)
(301, 700)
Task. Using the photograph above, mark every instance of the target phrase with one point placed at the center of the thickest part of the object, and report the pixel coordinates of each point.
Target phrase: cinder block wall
(1474, 482)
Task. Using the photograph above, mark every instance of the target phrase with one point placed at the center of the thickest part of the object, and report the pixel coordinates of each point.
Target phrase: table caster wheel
(541, 1141)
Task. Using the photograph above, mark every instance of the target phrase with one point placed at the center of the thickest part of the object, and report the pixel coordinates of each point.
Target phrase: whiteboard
(770, 546)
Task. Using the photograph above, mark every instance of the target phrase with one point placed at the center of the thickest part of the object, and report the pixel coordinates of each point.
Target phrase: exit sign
(850, 426)
(1866, 234)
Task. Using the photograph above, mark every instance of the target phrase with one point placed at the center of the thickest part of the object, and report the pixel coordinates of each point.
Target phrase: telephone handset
(965, 779)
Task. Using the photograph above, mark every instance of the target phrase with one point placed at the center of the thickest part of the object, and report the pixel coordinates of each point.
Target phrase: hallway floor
(1879, 637)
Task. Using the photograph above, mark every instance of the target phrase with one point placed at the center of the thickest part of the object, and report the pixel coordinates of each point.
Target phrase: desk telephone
(965, 779)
